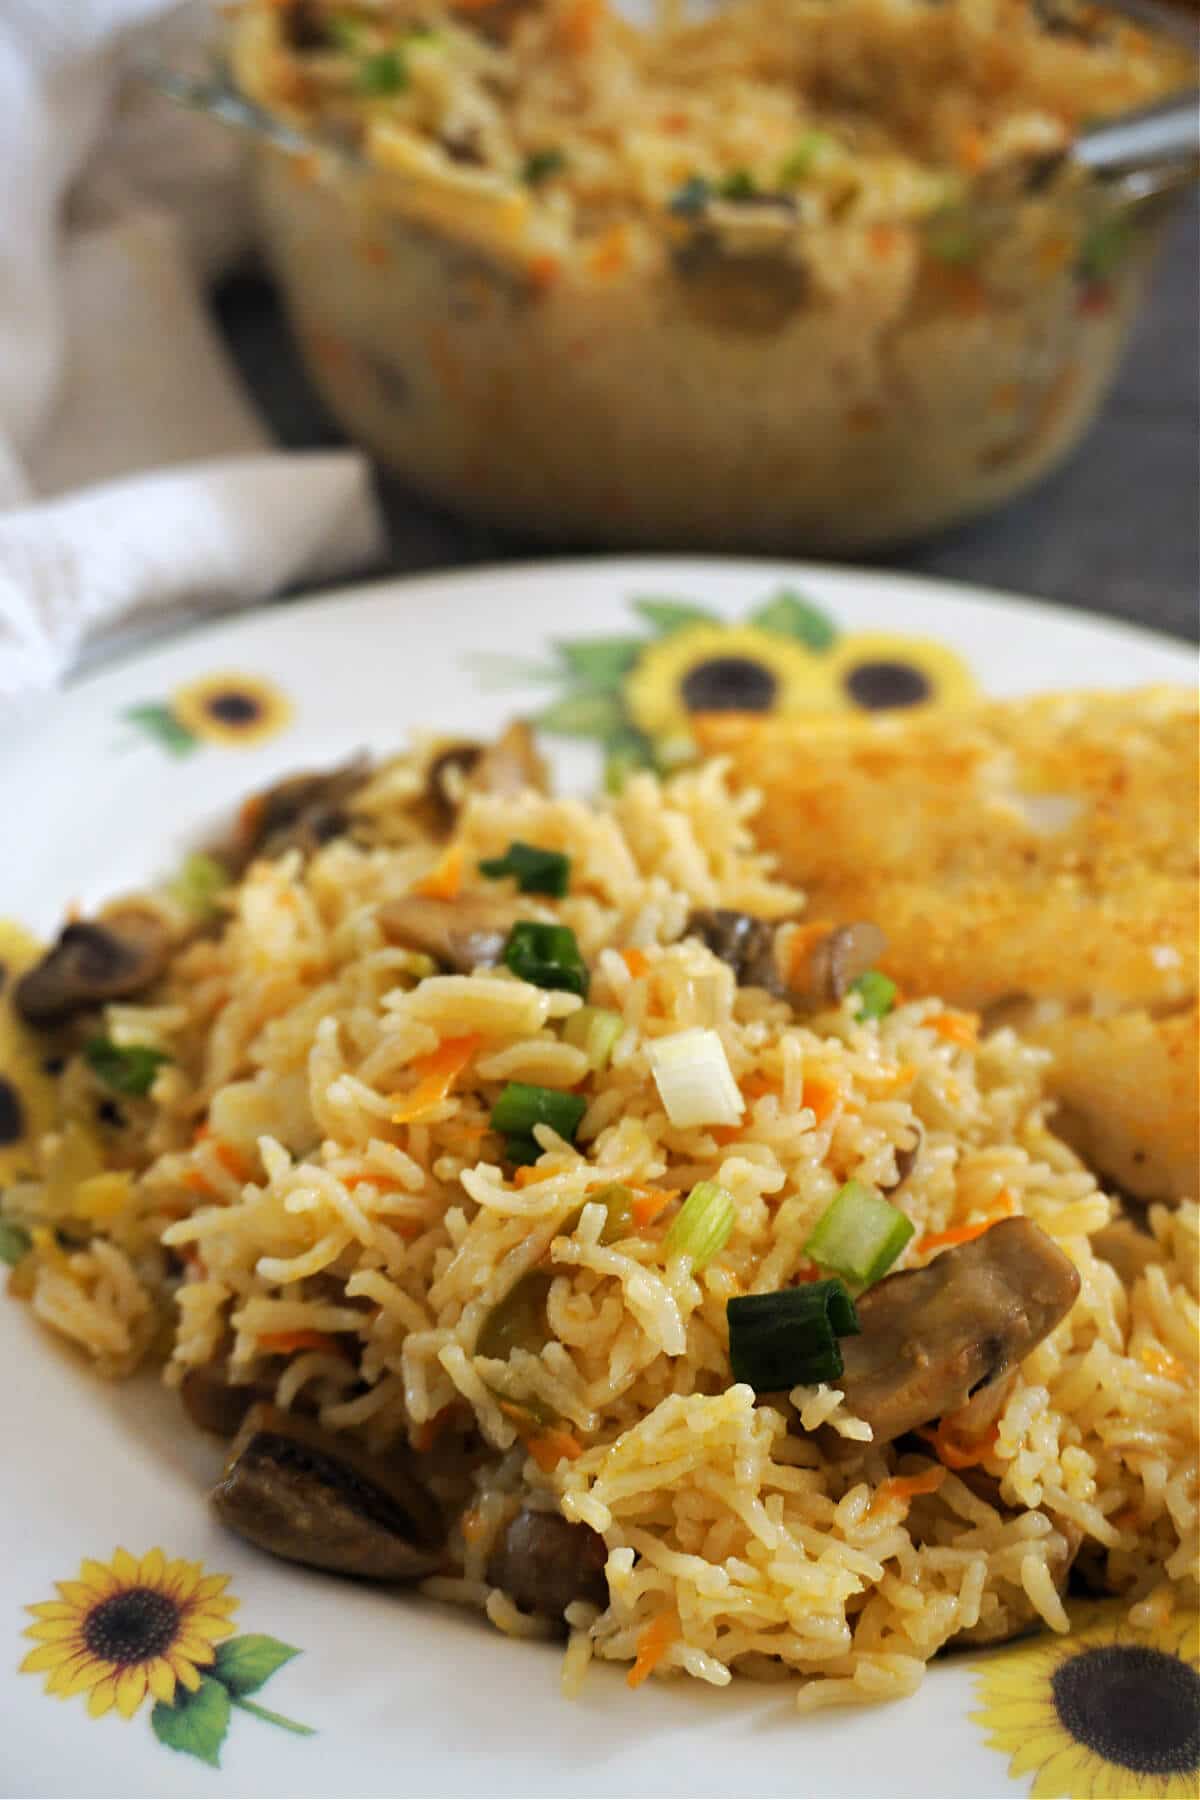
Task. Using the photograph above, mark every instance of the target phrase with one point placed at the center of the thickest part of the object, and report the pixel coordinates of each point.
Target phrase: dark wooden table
(1116, 530)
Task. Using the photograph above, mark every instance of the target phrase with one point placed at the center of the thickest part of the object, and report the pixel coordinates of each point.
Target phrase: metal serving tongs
(1138, 155)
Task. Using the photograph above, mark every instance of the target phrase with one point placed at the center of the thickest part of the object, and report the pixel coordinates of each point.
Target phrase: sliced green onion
(540, 165)
(739, 185)
(689, 201)
(518, 1322)
(535, 871)
(783, 1340)
(876, 994)
(200, 879)
(546, 955)
(128, 1069)
(703, 1223)
(804, 155)
(384, 73)
(595, 1031)
(694, 1080)
(1104, 247)
(15, 1243)
(522, 1106)
(343, 31)
(859, 1235)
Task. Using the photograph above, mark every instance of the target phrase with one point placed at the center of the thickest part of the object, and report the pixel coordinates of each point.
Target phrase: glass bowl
(716, 394)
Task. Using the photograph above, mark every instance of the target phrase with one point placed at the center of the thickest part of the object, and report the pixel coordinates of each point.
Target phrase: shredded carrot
(579, 24)
(430, 1430)
(282, 1343)
(196, 1182)
(1126, 1519)
(610, 253)
(375, 254)
(231, 1160)
(957, 1028)
(636, 961)
(444, 881)
(359, 1177)
(1161, 1362)
(820, 1096)
(653, 1642)
(800, 948)
(755, 1086)
(649, 1202)
(203, 1130)
(527, 1174)
(956, 1455)
(907, 1487)
(551, 1447)
(883, 239)
(964, 1234)
(725, 1134)
(436, 1074)
(971, 149)
(543, 272)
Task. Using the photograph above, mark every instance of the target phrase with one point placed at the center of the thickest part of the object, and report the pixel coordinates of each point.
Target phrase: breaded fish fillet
(1040, 850)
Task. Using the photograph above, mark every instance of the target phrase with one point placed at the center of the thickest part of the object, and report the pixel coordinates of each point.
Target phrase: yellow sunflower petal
(46, 1656)
(231, 708)
(184, 1671)
(54, 1631)
(131, 1690)
(208, 1624)
(102, 1697)
(124, 1569)
(1068, 1773)
(714, 667)
(211, 1586)
(78, 1676)
(151, 1568)
(79, 1595)
(177, 1578)
(53, 1609)
(197, 1649)
(880, 670)
(160, 1679)
(1032, 1753)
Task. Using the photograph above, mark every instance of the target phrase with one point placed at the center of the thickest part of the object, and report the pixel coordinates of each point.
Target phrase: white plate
(407, 1698)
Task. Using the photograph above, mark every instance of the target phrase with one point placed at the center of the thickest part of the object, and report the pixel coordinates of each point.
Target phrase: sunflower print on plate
(1111, 1712)
(635, 695)
(158, 1628)
(228, 709)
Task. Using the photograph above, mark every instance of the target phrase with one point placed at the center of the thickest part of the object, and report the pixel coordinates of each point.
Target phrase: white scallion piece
(694, 1080)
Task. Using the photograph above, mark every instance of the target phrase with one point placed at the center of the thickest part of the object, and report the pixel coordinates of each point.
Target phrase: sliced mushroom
(907, 1157)
(310, 1497)
(214, 1403)
(1127, 1248)
(543, 1563)
(511, 765)
(743, 941)
(837, 960)
(934, 1338)
(464, 934)
(300, 813)
(115, 957)
(445, 783)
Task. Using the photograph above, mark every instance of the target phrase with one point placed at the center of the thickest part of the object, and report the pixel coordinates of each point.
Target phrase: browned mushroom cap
(743, 941)
(839, 959)
(464, 934)
(933, 1338)
(310, 1497)
(216, 1404)
(445, 783)
(543, 1562)
(511, 765)
(300, 813)
(112, 958)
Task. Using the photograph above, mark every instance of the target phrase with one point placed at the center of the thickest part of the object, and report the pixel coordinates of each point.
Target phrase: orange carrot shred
(232, 1160)
(196, 1182)
(436, 1074)
(527, 1174)
(803, 940)
(551, 1447)
(649, 1202)
(653, 1642)
(954, 1454)
(1161, 1362)
(820, 1096)
(965, 1234)
(282, 1343)
(429, 1430)
(579, 24)
(445, 881)
(957, 1028)
(907, 1487)
(636, 961)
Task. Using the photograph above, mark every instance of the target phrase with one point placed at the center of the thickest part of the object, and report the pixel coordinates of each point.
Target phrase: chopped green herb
(952, 238)
(1103, 248)
(521, 1106)
(200, 879)
(541, 164)
(782, 1340)
(128, 1069)
(740, 185)
(876, 994)
(689, 201)
(383, 73)
(703, 1223)
(548, 956)
(536, 871)
(617, 1201)
(803, 157)
(859, 1235)
(15, 1242)
(343, 31)
(595, 1031)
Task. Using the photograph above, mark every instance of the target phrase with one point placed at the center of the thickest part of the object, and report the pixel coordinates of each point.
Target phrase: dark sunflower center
(12, 1115)
(131, 1627)
(233, 708)
(1133, 1706)
(729, 684)
(877, 685)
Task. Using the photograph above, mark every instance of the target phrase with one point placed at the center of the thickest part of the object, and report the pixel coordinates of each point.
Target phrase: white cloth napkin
(136, 482)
